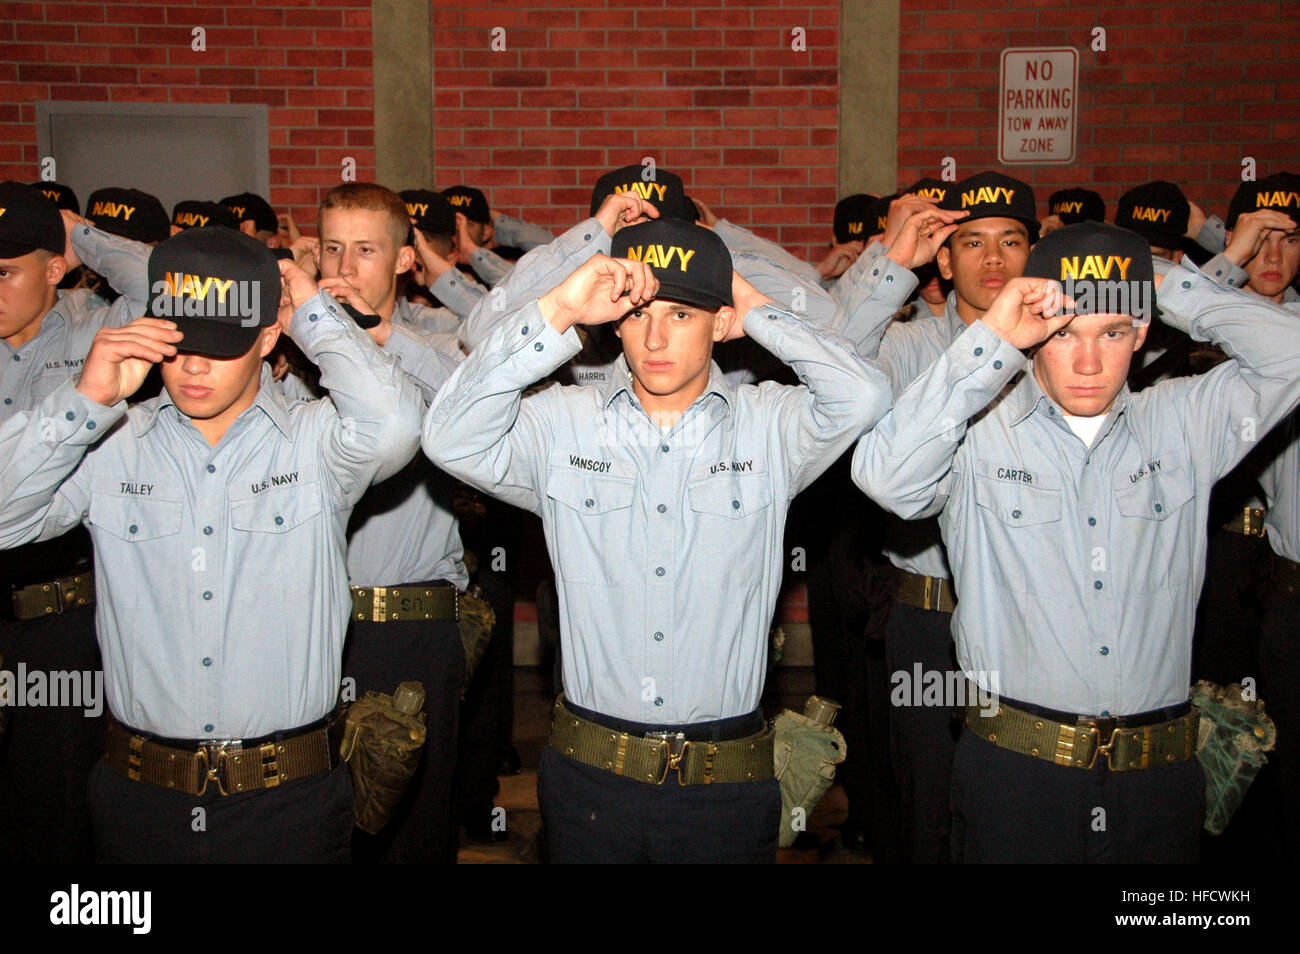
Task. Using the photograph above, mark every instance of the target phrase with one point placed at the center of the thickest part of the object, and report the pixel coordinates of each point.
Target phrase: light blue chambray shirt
(1078, 568)
(221, 594)
(667, 546)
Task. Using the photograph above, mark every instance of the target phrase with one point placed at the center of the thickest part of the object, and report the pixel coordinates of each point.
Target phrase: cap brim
(16, 249)
(1031, 224)
(689, 296)
(215, 339)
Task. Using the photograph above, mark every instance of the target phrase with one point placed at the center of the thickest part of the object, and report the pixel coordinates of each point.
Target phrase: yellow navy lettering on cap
(1061, 207)
(855, 228)
(417, 208)
(1146, 213)
(113, 210)
(191, 218)
(1094, 266)
(458, 199)
(657, 256)
(1277, 200)
(646, 190)
(985, 194)
(237, 209)
(933, 192)
(180, 284)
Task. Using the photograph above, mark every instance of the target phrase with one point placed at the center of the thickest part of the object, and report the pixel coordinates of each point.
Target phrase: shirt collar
(619, 380)
(268, 399)
(1028, 396)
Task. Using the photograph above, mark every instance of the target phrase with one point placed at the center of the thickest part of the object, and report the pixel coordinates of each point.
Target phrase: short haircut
(372, 198)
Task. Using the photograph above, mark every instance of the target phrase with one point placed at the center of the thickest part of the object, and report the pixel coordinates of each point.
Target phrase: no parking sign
(1037, 93)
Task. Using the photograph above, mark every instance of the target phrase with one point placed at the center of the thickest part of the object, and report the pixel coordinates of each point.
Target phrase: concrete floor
(788, 687)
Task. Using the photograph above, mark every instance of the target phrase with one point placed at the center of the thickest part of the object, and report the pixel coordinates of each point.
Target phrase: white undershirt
(1085, 427)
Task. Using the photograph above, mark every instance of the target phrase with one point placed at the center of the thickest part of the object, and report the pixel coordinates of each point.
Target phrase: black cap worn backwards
(220, 286)
(432, 211)
(1106, 269)
(1077, 205)
(1280, 192)
(129, 213)
(691, 262)
(990, 195)
(60, 195)
(850, 221)
(1157, 211)
(191, 214)
(470, 202)
(28, 221)
(665, 191)
(250, 205)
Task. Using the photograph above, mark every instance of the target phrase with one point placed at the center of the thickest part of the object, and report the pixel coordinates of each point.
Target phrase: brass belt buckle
(673, 749)
(211, 756)
(1108, 729)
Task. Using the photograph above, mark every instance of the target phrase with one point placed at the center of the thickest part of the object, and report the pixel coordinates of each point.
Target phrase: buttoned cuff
(585, 233)
(1226, 272)
(317, 318)
(983, 353)
(455, 290)
(1185, 292)
(886, 281)
(535, 346)
(73, 418)
(1213, 236)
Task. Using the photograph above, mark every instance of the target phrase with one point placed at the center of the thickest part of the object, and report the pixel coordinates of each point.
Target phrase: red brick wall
(309, 63)
(712, 90)
(1183, 91)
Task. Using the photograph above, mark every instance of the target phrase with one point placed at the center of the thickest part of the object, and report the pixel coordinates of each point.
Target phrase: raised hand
(595, 292)
(120, 358)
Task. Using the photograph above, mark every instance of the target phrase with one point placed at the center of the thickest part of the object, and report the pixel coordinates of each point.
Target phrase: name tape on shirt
(113, 210)
(659, 257)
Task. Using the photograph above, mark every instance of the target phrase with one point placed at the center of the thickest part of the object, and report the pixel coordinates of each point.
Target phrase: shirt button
(132, 529)
(90, 425)
(212, 468)
(538, 346)
(207, 531)
(735, 505)
(1096, 584)
(1187, 284)
(875, 271)
(659, 700)
(1105, 650)
(1092, 521)
(523, 330)
(589, 502)
(587, 237)
(69, 415)
(661, 508)
(207, 660)
(997, 365)
(279, 520)
(1159, 508)
(773, 317)
(978, 352)
(659, 637)
(1015, 514)
(208, 727)
(17, 358)
(312, 317)
(664, 448)
(9, 400)
(659, 571)
(207, 594)
(889, 278)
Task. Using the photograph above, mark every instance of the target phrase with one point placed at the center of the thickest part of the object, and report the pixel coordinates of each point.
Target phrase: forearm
(124, 263)
(903, 460)
(490, 266)
(40, 449)
(458, 291)
(517, 233)
(738, 239)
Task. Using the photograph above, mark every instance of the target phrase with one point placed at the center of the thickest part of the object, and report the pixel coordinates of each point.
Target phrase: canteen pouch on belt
(1234, 735)
(383, 739)
(476, 619)
(805, 752)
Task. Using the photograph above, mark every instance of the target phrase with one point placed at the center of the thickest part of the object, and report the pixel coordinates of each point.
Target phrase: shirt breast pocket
(135, 519)
(729, 542)
(1023, 523)
(593, 524)
(271, 512)
(1156, 543)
